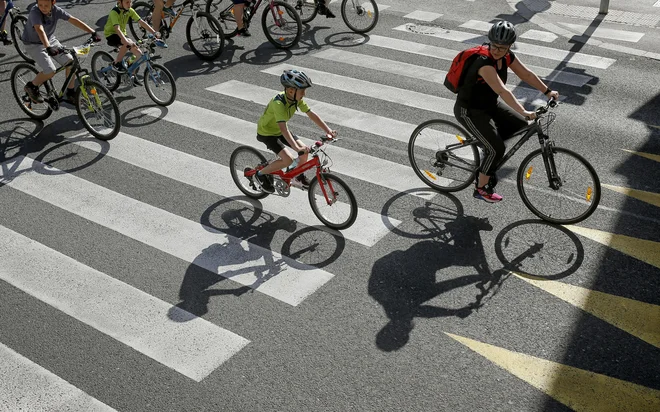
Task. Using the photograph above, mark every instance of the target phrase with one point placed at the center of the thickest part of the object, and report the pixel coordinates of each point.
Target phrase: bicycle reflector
(93, 91)
(589, 193)
(460, 139)
(429, 174)
(529, 172)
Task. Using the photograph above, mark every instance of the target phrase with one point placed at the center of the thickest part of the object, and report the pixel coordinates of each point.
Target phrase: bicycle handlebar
(552, 103)
(325, 139)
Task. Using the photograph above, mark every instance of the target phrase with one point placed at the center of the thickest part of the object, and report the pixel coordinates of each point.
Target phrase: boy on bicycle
(115, 33)
(272, 129)
(41, 45)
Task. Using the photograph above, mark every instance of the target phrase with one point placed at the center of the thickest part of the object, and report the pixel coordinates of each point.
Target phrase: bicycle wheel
(205, 36)
(571, 199)
(450, 171)
(18, 24)
(160, 84)
(342, 210)
(97, 109)
(282, 25)
(144, 10)
(307, 9)
(225, 12)
(103, 72)
(360, 16)
(20, 76)
(246, 157)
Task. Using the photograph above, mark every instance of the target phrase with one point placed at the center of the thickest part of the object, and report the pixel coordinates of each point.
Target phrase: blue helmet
(296, 79)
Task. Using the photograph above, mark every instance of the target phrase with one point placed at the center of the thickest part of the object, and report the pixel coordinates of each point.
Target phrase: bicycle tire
(148, 78)
(238, 165)
(541, 204)
(370, 16)
(315, 198)
(434, 135)
(145, 11)
(99, 90)
(20, 95)
(307, 9)
(17, 28)
(110, 79)
(290, 12)
(225, 16)
(213, 36)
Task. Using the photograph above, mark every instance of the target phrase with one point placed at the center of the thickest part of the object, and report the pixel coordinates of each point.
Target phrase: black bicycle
(94, 103)
(361, 16)
(568, 192)
(18, 23)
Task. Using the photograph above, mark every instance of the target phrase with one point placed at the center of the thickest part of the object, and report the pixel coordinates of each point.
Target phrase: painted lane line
(208, 248)
(194, 348)
(216, 178)
(378, 171)
(422, 15)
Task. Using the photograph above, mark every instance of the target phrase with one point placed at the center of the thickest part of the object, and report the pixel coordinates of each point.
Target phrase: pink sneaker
(487, 194)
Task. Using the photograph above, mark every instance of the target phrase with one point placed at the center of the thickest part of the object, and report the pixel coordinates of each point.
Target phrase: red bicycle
(331, 199)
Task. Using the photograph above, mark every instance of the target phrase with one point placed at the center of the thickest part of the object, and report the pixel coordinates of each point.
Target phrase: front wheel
(360, 16)
(18, 24)
(145, 11)
(282, 25)
(205, 36)
(160, 84)
(20, 76)
(98, 110)
(103, 72)
(568, 197)
(332, 201)
(243, 159)
(442, 156)
(307, 9)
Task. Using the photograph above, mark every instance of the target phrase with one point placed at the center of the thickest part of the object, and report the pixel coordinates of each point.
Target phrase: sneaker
(136, 81)
(70, 96)
(300, 181)
(487, 194)
(244, 32)
(324, 11)
(4, 38)
(266, 184)
(33, 93)
(118, 67)
(168, 11)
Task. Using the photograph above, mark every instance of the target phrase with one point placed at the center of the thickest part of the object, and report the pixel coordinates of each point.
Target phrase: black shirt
(475, 93)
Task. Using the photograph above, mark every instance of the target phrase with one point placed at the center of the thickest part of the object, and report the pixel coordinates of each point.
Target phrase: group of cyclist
(477, 106)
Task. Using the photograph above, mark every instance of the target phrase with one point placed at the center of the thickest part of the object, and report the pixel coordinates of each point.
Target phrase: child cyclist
(41, 45)
(115, 33)
(272, 129)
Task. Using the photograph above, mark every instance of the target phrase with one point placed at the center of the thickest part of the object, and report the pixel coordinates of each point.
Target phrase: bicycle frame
(76, 71)
(254, 6)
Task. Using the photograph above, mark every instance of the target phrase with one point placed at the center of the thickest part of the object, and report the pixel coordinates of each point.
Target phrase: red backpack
(454, 79)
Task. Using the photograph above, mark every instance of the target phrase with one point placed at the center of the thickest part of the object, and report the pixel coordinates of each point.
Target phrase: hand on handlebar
(529, 115)
(95, 37)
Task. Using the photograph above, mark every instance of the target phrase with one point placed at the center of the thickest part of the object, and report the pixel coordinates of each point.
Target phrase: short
(114, 40)
(240, 1)
(43, 60)
(275, 143)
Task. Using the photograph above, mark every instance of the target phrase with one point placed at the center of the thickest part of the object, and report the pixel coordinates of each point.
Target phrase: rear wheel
(448, 171)
(306, 9)
(20, 76)
(360, 16)
(224, 9)
(242, 159)
(205, 36)
(160, 84)
(18, 24)
(98, 110)
(281, 25)
(103, 72)
(145, 11)
(339, 210)
(573, 197)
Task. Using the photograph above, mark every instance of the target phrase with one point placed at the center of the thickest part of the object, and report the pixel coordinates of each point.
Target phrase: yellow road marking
(646, 155)
(645, 250)
(637, 318)
(648, 197)
(578, 389)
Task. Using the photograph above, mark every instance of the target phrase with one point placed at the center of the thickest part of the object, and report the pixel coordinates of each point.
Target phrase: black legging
(491, 128)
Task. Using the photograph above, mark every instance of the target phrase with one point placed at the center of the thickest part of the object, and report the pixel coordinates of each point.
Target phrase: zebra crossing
(163, 332)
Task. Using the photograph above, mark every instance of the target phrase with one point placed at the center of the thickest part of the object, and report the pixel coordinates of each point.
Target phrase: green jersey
(119, 17)
(279, 109)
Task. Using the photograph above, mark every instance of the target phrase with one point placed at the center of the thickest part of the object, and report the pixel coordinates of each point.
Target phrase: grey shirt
(48, 22)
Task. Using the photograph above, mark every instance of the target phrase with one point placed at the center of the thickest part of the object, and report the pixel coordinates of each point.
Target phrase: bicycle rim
(306, 9)
(454, 170)
(574, 200)
(205, 36)
(341, 211)
(243, 158)
(20, 76)
(17, 28)
(360, 16)
(102, 70)
(98, 110)
(144, 10)
(227, 20)
(160, 85)
(281, 25)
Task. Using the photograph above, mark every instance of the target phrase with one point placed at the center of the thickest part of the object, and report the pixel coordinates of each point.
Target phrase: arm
(493, 80)
(532, 79)
(82, 26)
(123, 38)
(320, 123)
(42, 35)
(148, 28)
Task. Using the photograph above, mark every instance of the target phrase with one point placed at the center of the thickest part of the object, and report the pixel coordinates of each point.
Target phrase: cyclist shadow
(404, 280)
(236, 257)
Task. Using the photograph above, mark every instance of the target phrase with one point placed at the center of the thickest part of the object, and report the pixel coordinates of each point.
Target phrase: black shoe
(324, 11)
(301, 181)
(244, 32)
(266, 184)
(118, 67)
(4, 38)
(70, 96)
(33, 93)
(136, 81)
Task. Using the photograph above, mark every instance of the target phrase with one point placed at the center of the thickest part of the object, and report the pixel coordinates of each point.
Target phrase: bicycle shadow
(404, 280)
